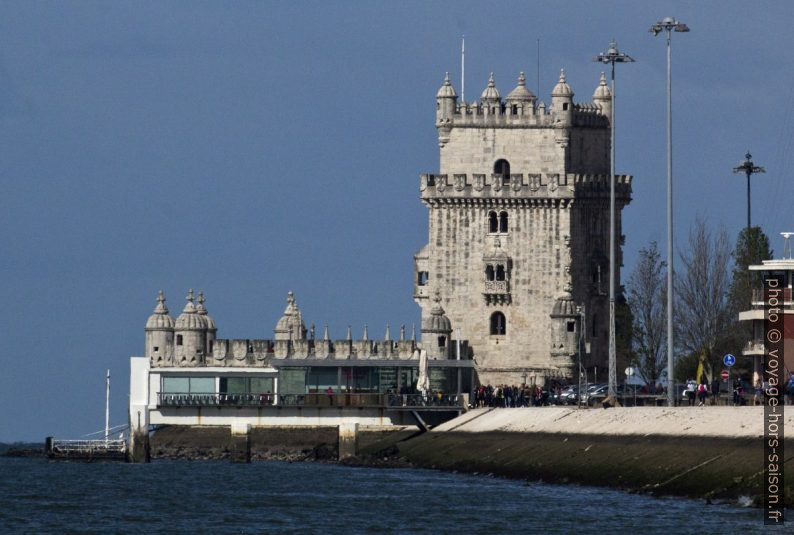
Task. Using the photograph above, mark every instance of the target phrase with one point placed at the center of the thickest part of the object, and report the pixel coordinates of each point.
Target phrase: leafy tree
(752, 247)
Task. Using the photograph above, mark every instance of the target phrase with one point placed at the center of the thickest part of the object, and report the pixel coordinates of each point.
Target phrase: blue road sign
(729, 360)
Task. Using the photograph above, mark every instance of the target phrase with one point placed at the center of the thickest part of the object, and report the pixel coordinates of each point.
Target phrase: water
(272, 497)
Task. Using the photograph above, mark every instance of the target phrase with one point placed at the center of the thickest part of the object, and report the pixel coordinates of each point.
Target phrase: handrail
(334, 399)
(65, 446)
(202, 399)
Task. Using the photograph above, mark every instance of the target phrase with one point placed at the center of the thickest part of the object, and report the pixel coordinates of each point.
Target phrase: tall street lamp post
(612, 56)
(669, 25)
(749, 168)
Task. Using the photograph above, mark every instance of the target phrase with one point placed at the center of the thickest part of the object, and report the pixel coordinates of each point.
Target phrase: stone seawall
(282, 443)
(699, 452)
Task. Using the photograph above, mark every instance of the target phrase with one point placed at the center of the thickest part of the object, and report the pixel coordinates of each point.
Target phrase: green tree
(752, 247)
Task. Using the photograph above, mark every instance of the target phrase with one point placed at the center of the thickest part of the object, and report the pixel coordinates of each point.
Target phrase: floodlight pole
(749, 168)
(612, 56)
(669, 25)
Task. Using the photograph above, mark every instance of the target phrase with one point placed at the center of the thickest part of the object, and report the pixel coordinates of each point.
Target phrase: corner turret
(520, 101)
(436, 332)
(562, 101)
(490, 98)
(160, 334)
(211, 328)
(603, 97)
(290, 326)
(446, 101)
(190, 331)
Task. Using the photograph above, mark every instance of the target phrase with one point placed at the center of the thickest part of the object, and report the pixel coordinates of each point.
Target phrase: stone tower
(518, 219)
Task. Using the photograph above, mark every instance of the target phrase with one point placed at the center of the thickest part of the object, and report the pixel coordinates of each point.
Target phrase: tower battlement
(518, 187)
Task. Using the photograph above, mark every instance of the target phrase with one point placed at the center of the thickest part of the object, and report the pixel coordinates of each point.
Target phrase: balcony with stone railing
(496, 292)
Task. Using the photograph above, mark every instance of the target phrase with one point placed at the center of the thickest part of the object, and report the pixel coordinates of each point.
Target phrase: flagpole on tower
(463, 69)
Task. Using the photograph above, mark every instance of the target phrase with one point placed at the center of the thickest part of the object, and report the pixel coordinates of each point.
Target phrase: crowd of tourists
(510, 396)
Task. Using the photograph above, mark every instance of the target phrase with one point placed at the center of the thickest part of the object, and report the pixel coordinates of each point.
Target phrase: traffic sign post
(725, 375)
(729, 360)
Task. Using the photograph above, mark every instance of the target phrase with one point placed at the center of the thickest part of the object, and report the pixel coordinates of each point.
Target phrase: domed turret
(159, 334)
(190, 330)
(437, 331)
(562, 108)
(446, 101)
(290, 326)
(491, 101)
(564, 331)
(209, 323)
(603, 97)
(521, 93)
(562, 89)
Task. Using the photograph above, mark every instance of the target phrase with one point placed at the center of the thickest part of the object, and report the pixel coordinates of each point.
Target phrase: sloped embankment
(699, 452)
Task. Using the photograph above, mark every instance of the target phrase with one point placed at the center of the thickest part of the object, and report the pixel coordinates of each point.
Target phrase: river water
(273, 497)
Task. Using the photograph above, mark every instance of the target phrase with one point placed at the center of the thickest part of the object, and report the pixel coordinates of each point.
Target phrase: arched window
(498, 324)
(502, 168)
(493, 222)
(489, 272)
(502, 221)
(500, 272)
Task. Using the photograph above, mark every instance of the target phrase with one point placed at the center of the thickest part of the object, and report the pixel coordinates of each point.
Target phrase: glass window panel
(176, 384)
(292, 381)
(387, 378)
(443, 379)
(202, 385)
(408, 377)
(234, 385)
(261, 385)
(320, 378)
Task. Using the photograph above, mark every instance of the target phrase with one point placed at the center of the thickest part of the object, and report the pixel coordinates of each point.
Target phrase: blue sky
(251, 148)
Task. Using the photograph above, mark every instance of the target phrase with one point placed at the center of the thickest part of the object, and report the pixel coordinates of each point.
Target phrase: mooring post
(241, 442)
(348, 437)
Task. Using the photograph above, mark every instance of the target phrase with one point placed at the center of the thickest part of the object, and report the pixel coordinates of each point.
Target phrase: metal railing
(758, 298)
(167, 399)
(87, 447)
(336, 399)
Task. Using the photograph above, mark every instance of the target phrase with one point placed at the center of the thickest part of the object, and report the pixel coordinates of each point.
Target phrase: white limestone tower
(518, 230)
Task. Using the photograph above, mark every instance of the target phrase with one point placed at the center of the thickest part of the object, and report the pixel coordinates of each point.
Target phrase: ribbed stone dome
(490, 93)
(562, 89)
(446, 90)
(602, 92)
(189, 319)
(564, 306)
(290, 321)
(201, 310)
(521, 93)
(437, 322)
(160, 320)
